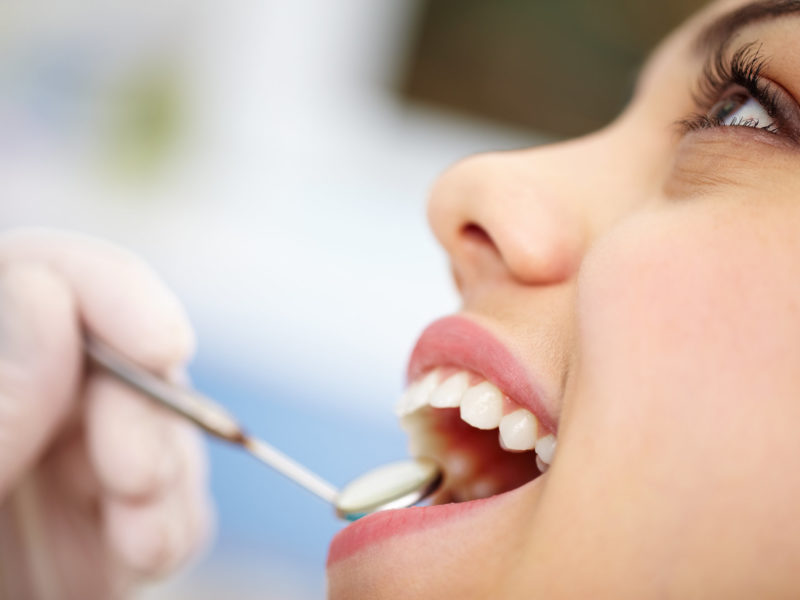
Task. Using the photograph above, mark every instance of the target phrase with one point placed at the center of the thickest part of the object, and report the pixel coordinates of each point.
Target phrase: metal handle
(204, 412)
(195, 407)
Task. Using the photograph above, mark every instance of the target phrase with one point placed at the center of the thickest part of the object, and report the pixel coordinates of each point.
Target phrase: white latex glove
(99, 487)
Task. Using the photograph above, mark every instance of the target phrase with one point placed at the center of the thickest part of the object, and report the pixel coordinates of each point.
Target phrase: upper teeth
(450, 392)
(481, 405)
(518, 430)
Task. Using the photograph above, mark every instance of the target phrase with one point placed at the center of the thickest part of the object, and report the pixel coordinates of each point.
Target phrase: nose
(524, 215)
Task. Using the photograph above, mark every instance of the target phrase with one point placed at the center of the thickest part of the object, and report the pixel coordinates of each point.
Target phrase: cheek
(679, 423)
(692, 303)
(690, 342)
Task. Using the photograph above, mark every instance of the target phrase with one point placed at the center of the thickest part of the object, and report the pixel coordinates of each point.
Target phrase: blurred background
(271, 160)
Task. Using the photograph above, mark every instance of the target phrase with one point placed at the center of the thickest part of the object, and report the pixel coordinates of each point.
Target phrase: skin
(650, 279)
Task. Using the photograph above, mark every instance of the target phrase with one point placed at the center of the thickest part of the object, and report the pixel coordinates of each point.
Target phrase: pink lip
(459, 342)
(382, 525)
(456, 342)
(391, 523)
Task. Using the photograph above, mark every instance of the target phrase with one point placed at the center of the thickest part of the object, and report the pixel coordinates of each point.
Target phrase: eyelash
(744, 69)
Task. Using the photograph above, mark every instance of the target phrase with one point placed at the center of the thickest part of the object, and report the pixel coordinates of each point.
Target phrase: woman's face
(638, 292)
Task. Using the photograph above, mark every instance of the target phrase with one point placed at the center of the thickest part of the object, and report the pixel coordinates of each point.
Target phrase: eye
(733, 91)
(738, 108)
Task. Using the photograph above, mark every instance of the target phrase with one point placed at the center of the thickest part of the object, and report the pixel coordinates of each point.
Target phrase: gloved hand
(99, 487)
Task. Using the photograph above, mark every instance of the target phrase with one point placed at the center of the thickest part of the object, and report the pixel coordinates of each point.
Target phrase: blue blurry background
(256, 155)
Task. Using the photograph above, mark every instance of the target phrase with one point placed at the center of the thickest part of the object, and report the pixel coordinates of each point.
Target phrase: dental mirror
(395, 485)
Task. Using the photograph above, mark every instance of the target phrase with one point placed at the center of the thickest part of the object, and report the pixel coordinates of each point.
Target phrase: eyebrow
(720, 31)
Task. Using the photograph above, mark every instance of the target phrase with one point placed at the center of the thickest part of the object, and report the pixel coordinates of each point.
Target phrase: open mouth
(475, 409)
(486, 442)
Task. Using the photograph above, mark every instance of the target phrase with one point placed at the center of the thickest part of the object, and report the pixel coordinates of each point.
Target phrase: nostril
(477, 234)
(474, 256)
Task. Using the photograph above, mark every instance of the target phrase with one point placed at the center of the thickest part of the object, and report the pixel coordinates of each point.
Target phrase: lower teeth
(483, 488)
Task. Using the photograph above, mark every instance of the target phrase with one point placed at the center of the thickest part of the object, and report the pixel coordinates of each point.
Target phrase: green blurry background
(562, 68)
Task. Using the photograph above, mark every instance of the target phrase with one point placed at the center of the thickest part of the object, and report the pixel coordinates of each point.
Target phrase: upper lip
(459, 342)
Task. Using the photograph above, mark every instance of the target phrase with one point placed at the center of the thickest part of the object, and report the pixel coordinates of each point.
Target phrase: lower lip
(391, 523)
